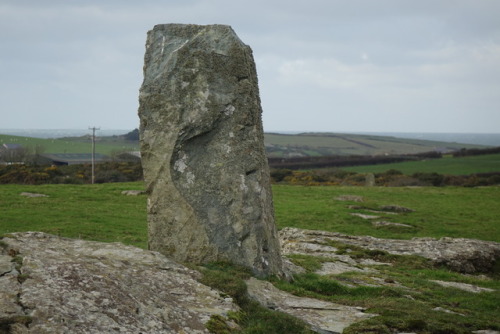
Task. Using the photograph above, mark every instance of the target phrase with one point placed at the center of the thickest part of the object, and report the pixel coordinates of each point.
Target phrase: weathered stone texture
(459, 254)
(75, 286)
(322, 316)
(202, 149)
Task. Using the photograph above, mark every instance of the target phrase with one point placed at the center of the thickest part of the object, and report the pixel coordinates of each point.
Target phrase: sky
(323, 65)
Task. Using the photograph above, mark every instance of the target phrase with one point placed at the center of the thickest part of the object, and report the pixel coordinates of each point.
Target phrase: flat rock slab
(384, 223)
(459, 254)
(133, 192)
(364, 216)
(75, 286)
(26, 194)
(463, 286)
(336, 268)
(323, 317)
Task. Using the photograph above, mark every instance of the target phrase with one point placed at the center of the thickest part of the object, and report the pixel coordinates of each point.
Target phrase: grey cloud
(421, 59)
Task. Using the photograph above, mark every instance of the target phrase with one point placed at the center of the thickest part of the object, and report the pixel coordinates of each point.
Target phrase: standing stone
(202, 148)
(370, 180)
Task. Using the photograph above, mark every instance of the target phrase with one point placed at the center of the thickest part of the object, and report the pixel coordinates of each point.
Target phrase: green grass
(445, 165)
(93, 212)
(100, 212)
(439, 211)
(106, 145)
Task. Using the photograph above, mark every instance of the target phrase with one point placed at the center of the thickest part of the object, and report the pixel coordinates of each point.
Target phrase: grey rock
(335, 268)
(6, 264)
(307, 247)
(74, 286)
(322, 316)
(9, 290)
(459, 254)
(26, 194)
(133, 192)
(463, 286)
(370, 262)
(292, 268)
(384, 223)
(441, 309)
(364, 216)
(202, 148)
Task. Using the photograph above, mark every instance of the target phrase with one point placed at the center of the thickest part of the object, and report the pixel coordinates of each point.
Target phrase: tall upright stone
(202, 147)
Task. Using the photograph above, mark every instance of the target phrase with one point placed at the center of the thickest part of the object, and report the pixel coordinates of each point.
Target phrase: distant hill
(489, 139)
(277, 145)
(324, 144)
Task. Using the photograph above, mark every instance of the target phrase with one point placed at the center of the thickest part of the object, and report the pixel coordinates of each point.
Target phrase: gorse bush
(390, 178)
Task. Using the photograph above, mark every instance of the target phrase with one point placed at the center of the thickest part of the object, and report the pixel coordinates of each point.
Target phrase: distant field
(105, 145)
(445, 165)
(277, 145)
(321, 144)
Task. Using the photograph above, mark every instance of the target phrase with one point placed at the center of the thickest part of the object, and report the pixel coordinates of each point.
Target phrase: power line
(93, 151)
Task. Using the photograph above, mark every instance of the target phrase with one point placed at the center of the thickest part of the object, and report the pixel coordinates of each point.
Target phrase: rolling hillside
(324, 144)
(277, 145)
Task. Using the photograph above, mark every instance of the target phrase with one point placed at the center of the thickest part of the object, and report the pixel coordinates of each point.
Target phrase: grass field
(93, 212)
(438, 211)
(446, 165)
(100, 212)
(320, 144)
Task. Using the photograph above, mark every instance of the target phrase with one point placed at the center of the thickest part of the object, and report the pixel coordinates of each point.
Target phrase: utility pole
(93, 151)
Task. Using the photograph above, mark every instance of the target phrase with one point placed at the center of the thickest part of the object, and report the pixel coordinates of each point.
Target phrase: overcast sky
(323, 65)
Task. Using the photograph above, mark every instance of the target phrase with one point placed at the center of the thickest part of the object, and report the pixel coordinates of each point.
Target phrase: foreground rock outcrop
(50, 284)
(322, 316)
(56, 285)
(202, 149)
(459, 254)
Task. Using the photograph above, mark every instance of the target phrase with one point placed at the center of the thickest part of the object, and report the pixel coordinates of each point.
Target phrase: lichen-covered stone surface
(55, 285)
(322, 316)
(202, 148)
(459, 254)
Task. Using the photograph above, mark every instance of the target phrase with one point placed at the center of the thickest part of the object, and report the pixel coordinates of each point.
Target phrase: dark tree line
(476, 151)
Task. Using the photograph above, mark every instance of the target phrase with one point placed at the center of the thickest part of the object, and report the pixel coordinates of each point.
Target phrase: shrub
(433, 179)
(278, 175)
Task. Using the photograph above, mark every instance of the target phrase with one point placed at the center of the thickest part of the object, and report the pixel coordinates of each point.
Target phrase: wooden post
(93, 152)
